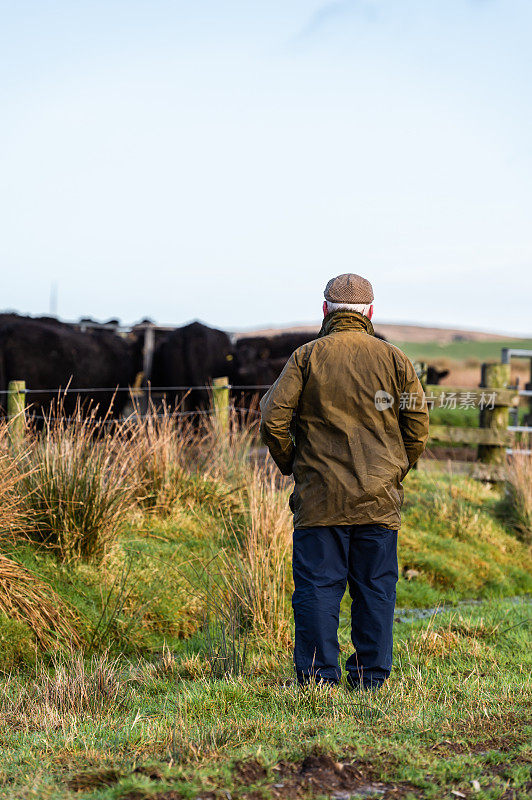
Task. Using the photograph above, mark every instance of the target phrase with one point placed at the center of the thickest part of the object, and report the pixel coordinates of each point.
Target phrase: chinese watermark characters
(410, 401)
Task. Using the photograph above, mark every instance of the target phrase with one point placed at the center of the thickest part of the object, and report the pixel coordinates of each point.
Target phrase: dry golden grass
(78, 484)
(12, 518)
(71, 689)
(25, 598)
(519, 490)
(178, 459)
(225, 454)
(163, 448)
(244, 586)
(264, 552)
(79, 477)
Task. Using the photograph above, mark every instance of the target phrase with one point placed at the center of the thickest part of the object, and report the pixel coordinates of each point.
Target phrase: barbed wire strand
(134, 390)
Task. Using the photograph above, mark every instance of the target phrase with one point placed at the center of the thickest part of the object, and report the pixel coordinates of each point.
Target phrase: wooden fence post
(494, 376)
(421, 371)
(220, 398)
(16, 402)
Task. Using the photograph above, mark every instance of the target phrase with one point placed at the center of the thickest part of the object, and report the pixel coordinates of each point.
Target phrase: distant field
(422, 343)
(457, 351)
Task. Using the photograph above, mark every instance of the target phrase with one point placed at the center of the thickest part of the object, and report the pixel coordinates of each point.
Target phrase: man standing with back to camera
(359, 421)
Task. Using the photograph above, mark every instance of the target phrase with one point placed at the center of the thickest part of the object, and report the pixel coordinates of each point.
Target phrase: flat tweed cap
(349, 288)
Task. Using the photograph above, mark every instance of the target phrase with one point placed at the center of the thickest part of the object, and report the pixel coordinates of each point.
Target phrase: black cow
(48, 354)
(260, 359)
(435, 375)
(191, 355)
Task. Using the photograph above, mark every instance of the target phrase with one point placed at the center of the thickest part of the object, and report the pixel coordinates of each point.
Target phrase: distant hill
(396, 333)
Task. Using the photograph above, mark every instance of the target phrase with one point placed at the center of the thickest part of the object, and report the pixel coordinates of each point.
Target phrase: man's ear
(325, 309)
(370, 311)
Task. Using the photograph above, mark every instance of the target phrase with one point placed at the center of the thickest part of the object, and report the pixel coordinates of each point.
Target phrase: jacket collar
(342, 320)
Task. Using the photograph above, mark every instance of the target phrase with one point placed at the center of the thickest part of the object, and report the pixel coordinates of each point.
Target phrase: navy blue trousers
(325, 560)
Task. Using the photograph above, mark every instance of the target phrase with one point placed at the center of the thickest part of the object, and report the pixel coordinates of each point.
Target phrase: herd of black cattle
(50, 355)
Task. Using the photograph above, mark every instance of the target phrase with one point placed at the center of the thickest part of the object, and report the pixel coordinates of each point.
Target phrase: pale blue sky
(222, 159)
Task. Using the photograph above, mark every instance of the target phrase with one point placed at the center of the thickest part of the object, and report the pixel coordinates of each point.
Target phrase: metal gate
(506, 356)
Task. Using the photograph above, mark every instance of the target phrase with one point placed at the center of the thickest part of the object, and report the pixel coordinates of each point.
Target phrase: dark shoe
(368, 684)
(317, 677)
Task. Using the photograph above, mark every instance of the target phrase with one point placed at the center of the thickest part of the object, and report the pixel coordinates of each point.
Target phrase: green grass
(457, 351)
(455, 711)
(452, 536)
(458, 417)
(158, 726)
(465, 417)
(141, 595)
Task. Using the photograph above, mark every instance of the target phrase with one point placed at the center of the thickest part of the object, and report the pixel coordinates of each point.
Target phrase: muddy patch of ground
(503, 743)
(249, 772)
(318, 774)
(315, 775)
(321, 775)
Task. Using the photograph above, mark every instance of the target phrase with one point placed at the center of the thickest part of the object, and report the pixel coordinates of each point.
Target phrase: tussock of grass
(243, 585)
(165, 448)
(77, 486)
(27, 600)
(251, 571)
(12, 518)
(71, 688)
(226, 454)
(180, 461)
(264, 549)
(518, 501)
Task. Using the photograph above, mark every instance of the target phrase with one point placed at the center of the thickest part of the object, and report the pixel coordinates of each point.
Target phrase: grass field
(458, 351)
(453, 719)
(463, 361)
(182, 685)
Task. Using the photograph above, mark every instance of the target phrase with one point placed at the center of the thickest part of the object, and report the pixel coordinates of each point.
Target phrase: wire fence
(137, 394)
(135, 390)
